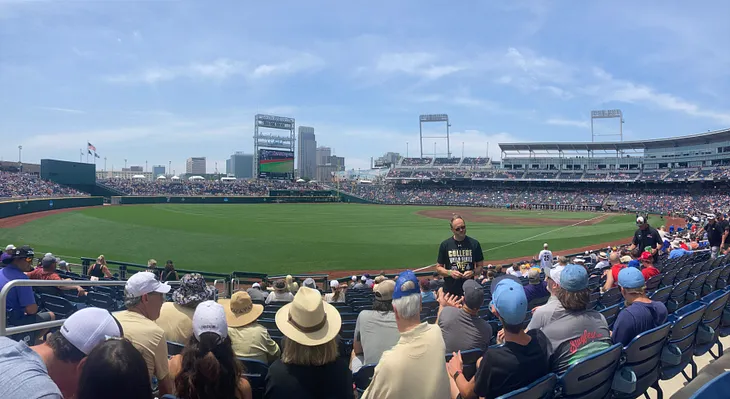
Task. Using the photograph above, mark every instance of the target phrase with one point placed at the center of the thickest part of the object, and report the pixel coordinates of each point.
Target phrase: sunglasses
(462, 228)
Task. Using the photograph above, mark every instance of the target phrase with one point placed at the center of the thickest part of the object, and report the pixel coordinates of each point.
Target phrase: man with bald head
(460, 258)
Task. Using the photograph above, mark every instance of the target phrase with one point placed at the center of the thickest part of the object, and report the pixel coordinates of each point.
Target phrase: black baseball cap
(23, 252)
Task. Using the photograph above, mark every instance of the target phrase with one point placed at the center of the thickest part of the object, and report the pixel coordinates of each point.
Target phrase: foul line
(526, 239)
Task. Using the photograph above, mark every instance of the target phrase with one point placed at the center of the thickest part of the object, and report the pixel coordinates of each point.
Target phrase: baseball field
(297, 238)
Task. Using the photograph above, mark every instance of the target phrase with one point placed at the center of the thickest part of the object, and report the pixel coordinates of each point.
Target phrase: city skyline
(116, 75)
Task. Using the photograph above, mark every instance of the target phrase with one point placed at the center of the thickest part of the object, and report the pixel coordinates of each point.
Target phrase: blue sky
(161, 81)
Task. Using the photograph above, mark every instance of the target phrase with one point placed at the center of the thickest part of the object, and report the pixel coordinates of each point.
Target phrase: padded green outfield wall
(22, 207)
(218, 200)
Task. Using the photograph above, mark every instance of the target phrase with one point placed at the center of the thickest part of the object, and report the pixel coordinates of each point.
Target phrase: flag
(96, 155)
(90, 147)
(89, 152)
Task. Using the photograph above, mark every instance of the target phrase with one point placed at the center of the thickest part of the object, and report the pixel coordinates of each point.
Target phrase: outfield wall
(22, 207)
(130, 200)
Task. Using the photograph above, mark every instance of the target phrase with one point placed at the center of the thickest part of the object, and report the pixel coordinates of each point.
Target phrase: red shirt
(615, 269)
(684, 246)
(650, 271)
(40, 274)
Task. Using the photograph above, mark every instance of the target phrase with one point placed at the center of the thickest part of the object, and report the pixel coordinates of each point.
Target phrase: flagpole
(81, 155)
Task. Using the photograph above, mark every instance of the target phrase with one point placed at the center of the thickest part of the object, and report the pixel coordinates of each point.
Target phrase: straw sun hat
(308, 320)
(240, 309)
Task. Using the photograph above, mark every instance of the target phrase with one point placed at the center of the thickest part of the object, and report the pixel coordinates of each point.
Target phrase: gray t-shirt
(257, 294)
(23, 375)
(463, 331)
(377, 332)
(573, 336)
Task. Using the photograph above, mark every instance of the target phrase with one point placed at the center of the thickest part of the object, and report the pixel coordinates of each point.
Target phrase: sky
(160, 81)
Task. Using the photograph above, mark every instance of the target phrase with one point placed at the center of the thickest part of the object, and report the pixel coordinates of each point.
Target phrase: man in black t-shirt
(715, 231)
(647, 236)
(460, 258)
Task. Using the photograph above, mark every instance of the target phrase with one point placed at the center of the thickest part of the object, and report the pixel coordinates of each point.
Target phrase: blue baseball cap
(633, 263)
(406, 284)
(630, 277)
(509, 299)
(574, 278)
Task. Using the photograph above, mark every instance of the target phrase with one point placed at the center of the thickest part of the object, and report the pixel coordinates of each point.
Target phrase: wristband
(449, 273)
(456, 375)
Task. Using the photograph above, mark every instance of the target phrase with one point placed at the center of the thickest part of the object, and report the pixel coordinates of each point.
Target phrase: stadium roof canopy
(694, 139)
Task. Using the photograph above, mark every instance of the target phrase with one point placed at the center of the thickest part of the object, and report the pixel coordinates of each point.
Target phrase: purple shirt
(4, 256)
(18, 297)
(533, 291)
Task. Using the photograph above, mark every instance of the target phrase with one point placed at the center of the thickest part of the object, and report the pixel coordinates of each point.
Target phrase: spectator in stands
(536, 287)
(280, 294)
(176, 317)
(460, 257)
(99, 269)
(310, 366)
(437, 280)
(47, 271)
(337, 294)
(207, 368)
(562, 261)
(63, 266)
(461, 326)
(641, 313)
(546, 258)
(309, 283)
(426, 293)
(603, 262)
(514, 270)
(413, 368)
(677, 250)
(635, 254)
(519, 362)
(376, 330)
(152, 268)
(647, 266)
(20, 305)
(8, 253)
(361, 284)
(715, 232)
(249, 338)
(353, 281)
(573, 331)
(257, 292)
(143, 297)
(291, 285)
(51, 369)
(114, 370)
(378, 279)
(169, 273)
(647, 236)
(611, 274)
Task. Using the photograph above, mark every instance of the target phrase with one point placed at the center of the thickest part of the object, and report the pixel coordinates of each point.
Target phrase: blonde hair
(302, 355)
(151, 262)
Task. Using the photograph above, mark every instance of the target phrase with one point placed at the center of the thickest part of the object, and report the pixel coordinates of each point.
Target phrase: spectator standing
(715, 232)
(20, 302)
(460, 258)
(461, 326)
(51, 370)
(310, 366)
(249, 338)
(280, 294)
(338, 293)
(519, 362)
(536, 287)
(99, 269)
(176, 317)
(375, 330)
(207, 367)
(143, 297)
(546, 258)
(426, 294)
(169, 273)
(414, 367)
(573, 331)
(257, 292)
(641, 313)
(647, 237)
(114, 370)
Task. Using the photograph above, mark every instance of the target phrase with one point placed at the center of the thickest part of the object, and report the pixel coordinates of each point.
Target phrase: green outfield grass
(291, 238)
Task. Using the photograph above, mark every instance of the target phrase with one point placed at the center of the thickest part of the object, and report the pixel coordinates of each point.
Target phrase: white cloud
(421, 64)
(568, 122)
(64, 110)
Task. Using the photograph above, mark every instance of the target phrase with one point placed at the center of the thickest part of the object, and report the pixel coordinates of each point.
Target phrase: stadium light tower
(434, 118)
(608, 114)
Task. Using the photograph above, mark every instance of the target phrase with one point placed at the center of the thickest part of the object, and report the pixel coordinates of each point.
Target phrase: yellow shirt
(148, 338)
(176, 321)
(414, 368)
(252, 341)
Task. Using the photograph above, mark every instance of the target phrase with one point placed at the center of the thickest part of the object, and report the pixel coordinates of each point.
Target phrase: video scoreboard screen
(275, 164)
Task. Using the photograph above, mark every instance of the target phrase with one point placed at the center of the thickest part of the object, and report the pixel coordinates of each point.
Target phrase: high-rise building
(195, 166)
(306, 153)
(322, 154)
(158, 170)
(330, 165)
(240, 165)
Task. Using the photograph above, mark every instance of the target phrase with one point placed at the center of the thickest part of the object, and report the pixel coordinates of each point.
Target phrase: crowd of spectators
(203, 187)
(21, 185)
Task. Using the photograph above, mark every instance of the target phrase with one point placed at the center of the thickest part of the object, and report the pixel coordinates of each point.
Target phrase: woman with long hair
(207, 367)
(99, 269)
(169, 273)
(337, 294)
(114, 370)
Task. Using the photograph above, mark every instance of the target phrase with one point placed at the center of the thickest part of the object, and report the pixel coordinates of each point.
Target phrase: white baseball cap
(363, 278)
(256, 285)
(89, 327)
(579, 260)
(334, 284)
(210, 316)
(48, 254)
(10, 247)
(555, 273)
(640, 220)
(144, 283)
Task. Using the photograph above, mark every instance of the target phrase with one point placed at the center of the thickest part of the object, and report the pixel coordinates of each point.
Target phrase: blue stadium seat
(643, 356)
(653, 282)
(61, 307)
(256, 372)
(540, 389)
(591, 377)
(716, 303)
(694, 292)
(610, 314)
(469, 357)
(682, 335)
(662, 294)
(269, 324)
(535, 302)
(722, 279)
(711, 281)
(717, 388)
(174, 348)
(362, 377)
(610, 297)
(677, 298)
(100, 300)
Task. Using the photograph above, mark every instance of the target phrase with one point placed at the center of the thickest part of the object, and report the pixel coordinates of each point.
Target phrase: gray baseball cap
(473, 294)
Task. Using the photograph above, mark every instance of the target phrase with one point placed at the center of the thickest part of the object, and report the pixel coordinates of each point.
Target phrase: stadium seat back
(256, 372)
(535, 302)
(593, 300)
(61, 307)
(678, 296)
(591, 377)
(716, 303)
(653, 282)
(695, 287)
(610, 313)
(711, 281)
(682, 335)
(540, 389)
(610, 297)
(662, 294)
(642, 355)
(174, 348)
(100, 300)
(722, 279)
(683, 273)
(469, 357)
(668, 279)
(717, 388)
(362, 377)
